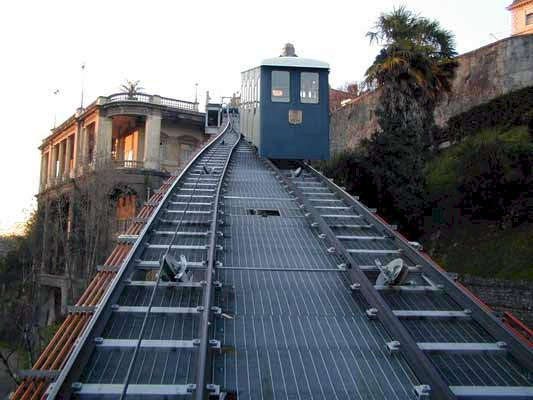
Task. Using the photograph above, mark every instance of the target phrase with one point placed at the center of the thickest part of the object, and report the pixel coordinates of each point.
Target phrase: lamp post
(196, 96)
(56, 92)
(82, 83)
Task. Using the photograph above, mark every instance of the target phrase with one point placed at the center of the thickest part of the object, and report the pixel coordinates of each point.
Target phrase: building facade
(98, 167)
(522, 16)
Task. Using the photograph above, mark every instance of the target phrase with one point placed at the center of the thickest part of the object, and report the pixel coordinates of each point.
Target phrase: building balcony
(129, 164)
(138, 134)
(150, 99)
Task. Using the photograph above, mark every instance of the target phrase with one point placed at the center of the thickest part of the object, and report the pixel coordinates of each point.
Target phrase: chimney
(288, 51)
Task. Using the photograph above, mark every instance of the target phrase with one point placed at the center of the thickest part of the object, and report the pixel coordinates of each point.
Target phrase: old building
(338, 98)
(522, 16)
(97, 169)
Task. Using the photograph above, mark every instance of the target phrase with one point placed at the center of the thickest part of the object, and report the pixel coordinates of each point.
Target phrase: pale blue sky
(170, 45)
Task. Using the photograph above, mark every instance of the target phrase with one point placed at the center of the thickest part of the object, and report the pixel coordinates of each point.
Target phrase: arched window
(187, 148)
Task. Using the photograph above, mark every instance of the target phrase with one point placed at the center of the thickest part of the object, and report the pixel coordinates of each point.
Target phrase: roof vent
(288, 51)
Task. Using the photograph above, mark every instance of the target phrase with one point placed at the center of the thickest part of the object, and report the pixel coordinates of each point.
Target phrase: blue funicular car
(285, 107)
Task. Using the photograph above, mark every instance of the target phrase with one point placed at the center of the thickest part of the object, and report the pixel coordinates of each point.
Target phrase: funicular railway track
(137, 314)
(282, 302)
(455, 345)
(149, 337)
(307, 321)
(53, 357)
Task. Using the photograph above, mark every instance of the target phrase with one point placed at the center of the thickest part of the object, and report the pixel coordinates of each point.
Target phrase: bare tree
(351, 87)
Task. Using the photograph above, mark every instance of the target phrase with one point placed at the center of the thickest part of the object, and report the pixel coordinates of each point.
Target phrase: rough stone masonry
(482, 75)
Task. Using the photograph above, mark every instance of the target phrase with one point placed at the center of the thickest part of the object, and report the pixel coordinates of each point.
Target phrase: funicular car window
(309, 87)
(280, 86)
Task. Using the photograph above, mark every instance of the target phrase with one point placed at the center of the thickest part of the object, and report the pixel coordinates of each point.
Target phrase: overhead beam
(492, 392)
(432, 314)
(113, 391)
(463, 348)
(156, 310)
(152, 344)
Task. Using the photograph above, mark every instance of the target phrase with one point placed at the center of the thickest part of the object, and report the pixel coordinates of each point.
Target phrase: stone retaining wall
(482, 75)
(503, 295)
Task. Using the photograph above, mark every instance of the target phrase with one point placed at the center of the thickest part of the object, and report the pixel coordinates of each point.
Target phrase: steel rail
(63, 383)
(202, 364)
(417, 360)
(480, 312)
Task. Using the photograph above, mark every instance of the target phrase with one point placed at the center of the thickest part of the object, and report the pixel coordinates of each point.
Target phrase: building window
(186, 153)
(280, 86)
(126, 206)
(529, 19)
(309, 87)
(90, 143)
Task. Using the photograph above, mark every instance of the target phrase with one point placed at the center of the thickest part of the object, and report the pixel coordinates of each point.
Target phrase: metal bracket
(393, 347)
(128, 239)
(422, 392)
(417, 246)
(81, 309)
(39, 374)
(107, 268)
(372, 313)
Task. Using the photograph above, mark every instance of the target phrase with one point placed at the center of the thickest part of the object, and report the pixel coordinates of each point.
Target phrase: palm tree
(416, 52)
(131, 87)
(411, 73)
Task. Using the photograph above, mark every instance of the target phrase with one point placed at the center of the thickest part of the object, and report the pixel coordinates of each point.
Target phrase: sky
(171, 45)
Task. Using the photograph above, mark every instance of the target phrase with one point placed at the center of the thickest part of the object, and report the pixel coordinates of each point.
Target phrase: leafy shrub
(495, 175)
(507, 110)
(350, 170)
(529, 118)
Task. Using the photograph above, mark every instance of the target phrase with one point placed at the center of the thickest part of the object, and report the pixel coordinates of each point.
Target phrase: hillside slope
(480, 193)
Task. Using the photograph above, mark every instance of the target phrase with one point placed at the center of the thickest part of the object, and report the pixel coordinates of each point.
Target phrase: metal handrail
(207, 298)
(156, 286)
(153, 99)
(128, 164)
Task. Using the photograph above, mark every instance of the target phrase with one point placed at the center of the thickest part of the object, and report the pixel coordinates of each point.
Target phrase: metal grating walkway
(281, 304)
(292, 328)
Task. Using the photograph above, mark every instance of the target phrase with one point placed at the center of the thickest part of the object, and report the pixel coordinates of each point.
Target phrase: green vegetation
(477, 198)
(479, 194)
(487, 176)
(515, 108)
(484, 249)
(412, 71)
(444, 171)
